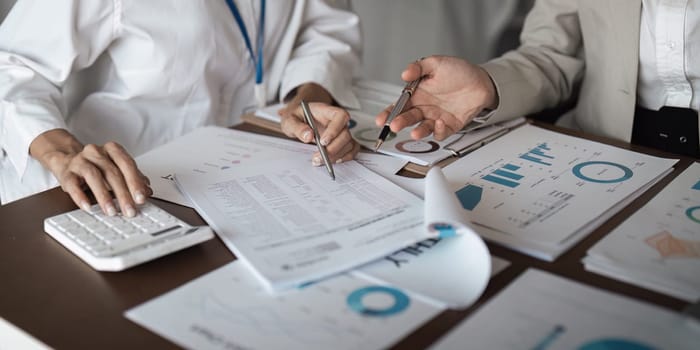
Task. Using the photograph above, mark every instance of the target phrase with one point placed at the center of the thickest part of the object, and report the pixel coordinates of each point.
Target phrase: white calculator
(114, 243)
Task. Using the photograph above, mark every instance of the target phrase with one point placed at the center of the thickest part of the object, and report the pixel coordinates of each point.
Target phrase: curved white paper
(452, 270)
(465, 259)
(455, 271)
(444, 215)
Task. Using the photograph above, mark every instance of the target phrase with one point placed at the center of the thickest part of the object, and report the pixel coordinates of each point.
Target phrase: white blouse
(669, 54)
(144, 72)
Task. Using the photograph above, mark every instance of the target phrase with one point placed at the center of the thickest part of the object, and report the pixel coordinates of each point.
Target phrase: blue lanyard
(257, 59)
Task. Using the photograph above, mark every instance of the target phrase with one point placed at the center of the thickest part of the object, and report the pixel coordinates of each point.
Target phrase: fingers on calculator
(114, 243)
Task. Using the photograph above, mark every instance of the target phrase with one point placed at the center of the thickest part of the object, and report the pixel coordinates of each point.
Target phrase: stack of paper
(227, 308)
(209, 150)
(374, 95)
(289, 223)
(294, 224)
(368, 308)
(659, 246)
(540, 192)
(542, 311)
(289, 220)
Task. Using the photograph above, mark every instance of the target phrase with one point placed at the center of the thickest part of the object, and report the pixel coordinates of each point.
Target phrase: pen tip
(376, 145)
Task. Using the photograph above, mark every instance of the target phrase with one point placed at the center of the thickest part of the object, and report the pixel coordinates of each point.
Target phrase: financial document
(540, 192)
(293, 224)
(368, 308)
(228, 309)
(545, 312)
(211, 149)
(658, 247)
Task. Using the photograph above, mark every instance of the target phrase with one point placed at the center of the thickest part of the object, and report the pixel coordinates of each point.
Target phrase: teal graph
(615, 344)
(598, 344)
(690, 213)
(505, 176)
(355, 301)
(601, 169)
(469, 196)
(538, 154)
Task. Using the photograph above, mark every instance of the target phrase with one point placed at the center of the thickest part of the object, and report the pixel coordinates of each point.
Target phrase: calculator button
(60, 220)
(88, 240)
(129, 244)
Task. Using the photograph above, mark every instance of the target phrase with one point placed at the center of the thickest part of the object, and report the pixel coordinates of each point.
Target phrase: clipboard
(463, 144)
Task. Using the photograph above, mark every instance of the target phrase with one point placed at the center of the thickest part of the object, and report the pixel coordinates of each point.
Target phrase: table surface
(54, 296)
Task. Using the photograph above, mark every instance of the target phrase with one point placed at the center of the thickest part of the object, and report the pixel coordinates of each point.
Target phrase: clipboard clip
(458, 148)
(459, 152)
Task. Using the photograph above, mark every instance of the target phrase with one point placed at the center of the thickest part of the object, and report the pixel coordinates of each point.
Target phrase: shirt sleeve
(326, 52)
(41, 43)
(545, 70)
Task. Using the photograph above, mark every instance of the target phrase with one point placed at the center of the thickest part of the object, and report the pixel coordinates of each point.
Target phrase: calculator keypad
(103, 235)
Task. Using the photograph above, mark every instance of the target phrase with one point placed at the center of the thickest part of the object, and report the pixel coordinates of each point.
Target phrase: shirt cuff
(326, 73)
(479, 121)
(20, 124)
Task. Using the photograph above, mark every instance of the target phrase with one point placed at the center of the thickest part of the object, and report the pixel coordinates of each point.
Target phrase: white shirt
(142, 72)
(669, 54)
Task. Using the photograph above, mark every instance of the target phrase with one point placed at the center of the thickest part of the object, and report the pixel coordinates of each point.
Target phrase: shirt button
(671, 45)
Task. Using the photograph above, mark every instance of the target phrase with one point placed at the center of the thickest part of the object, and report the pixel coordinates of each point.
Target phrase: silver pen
(398, 108)
(317, 138)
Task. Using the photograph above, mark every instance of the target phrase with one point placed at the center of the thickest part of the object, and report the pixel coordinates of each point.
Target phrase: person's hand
(332, 124)
(451, 93)
(106, 170)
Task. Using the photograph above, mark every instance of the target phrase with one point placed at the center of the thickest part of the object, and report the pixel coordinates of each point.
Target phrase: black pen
(322, 149)
(398, 108)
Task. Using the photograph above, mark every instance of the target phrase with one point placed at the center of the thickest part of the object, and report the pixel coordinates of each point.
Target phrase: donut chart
(602, 167)
(420, 146)
(356, 301)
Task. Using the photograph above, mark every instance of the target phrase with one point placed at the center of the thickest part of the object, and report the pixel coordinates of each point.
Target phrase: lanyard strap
(257, 59)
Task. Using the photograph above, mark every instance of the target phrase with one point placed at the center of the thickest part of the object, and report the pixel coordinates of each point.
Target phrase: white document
(368, 308)
(444, 215)
(211, 150)
(375, 95)
(13, 337)
(381, 164)
(658, 247)
(541, 311)
(388, 167)
(453, 268)
(453, 272)
(228, 309)
(540, 192)
(426, 151)
(293, 224)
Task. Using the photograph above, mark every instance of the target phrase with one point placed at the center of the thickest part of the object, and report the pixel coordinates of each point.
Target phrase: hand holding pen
(309, 118)
(452, 93)
(396, 110)
(331, 122)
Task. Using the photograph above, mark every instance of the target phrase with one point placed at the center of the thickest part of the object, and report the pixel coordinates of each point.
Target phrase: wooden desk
(53, 295)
